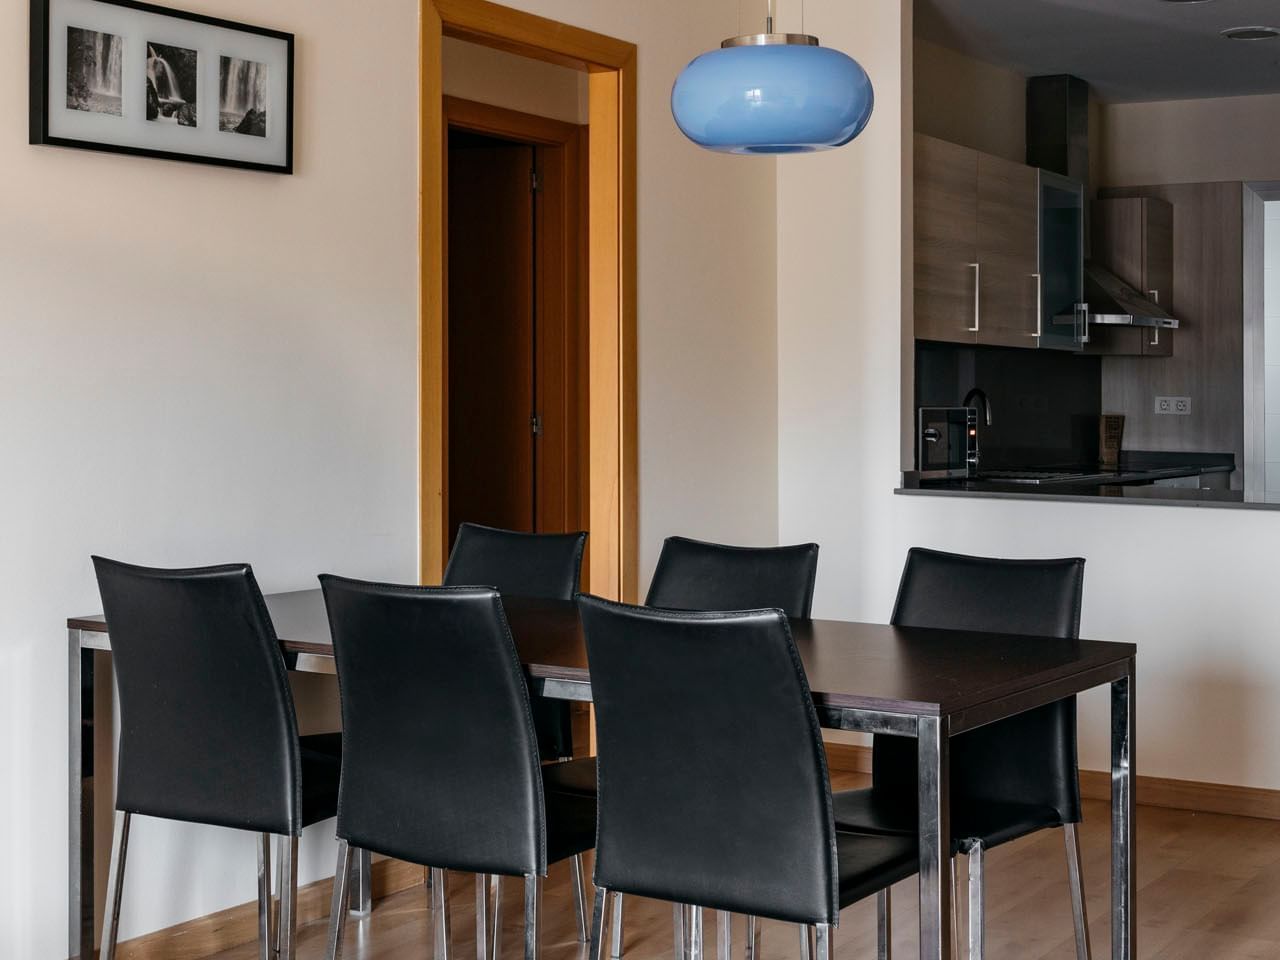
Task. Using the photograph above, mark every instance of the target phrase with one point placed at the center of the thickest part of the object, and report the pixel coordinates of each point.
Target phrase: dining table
(928, 684)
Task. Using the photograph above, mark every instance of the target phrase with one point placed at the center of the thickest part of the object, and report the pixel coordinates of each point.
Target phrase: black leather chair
(696, 575)
(207, 726)
(440, 763)
(1010, 778)
(543, 565)
(693, 575)
(689, 708)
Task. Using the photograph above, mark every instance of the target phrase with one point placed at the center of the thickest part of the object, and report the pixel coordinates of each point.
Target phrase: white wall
(1271, 311)
(1190, 141)
(1190, 586)
(204, 364)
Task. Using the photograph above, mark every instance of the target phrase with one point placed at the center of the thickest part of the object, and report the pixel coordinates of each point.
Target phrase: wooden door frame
(560, 281)
(612, 504)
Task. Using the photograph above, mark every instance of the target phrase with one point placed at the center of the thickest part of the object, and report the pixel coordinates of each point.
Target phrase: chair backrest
(1028, 758)
(544, 565)
(693, 575)
(690, 708)
(439, 761)
(207, 726)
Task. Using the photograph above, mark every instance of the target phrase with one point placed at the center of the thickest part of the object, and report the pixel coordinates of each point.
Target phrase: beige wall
(971, 102)
(1190, 586)
(500, 79)
(1191, 141)
(202, 364)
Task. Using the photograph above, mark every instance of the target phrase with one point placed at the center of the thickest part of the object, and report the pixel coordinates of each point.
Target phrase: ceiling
(1127, 50)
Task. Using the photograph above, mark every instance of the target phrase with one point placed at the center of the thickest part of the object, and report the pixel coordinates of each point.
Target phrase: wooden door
(1157, 270)
(491, 333)
(1007, 243)
(946, 210)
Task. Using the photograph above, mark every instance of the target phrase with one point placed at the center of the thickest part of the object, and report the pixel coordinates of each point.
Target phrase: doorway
(606, 385)
(515, 263)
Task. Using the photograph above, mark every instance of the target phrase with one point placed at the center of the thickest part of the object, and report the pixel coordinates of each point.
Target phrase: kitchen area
(1081, 331)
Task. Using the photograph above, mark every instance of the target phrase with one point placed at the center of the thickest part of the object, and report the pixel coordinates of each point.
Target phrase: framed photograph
(130, 77)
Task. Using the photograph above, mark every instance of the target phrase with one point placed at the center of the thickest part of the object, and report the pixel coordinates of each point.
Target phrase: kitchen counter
(1141, 477)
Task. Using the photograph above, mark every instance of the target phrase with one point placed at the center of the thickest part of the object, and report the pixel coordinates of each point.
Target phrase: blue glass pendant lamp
(772, 93)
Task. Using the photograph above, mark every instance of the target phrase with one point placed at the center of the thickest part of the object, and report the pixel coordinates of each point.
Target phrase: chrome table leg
(1124, 933)
(934, 773)
(595, 949)
(361, 898)
(615, 930)
(337, 912)
(115, 884)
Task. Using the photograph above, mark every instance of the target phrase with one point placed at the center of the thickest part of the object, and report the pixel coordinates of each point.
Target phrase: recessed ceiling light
(1251, 33)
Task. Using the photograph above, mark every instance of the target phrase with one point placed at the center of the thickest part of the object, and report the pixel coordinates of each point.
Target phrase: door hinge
(535, 422)
(535, 181)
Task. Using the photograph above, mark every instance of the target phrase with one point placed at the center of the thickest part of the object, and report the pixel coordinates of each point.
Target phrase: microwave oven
(947, 442)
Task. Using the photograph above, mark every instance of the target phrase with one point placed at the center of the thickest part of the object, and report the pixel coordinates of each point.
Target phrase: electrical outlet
(1174, 406)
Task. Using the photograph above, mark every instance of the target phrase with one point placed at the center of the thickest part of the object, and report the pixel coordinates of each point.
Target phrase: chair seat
(869, 864)
(576, 777)
(321, 771)
(880, 813)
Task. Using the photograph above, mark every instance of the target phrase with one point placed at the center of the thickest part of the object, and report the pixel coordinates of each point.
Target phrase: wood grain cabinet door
(946, 210)
(1008, 239)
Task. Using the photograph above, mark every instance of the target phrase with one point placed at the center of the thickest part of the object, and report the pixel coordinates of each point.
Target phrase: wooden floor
(1208, 889)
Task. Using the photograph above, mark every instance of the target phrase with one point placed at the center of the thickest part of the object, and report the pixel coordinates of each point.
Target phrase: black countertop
(1133, 480)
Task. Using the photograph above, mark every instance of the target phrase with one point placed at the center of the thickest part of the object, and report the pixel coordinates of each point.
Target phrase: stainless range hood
(1110, 302)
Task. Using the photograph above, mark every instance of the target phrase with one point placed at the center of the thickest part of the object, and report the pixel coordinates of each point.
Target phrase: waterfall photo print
(172, 84)
(242, 102)
(94, 71)
(132, 77)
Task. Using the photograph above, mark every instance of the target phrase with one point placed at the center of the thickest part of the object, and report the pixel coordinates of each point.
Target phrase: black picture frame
(41, 88)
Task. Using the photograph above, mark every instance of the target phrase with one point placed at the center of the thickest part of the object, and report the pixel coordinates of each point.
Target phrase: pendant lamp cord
(768, 20)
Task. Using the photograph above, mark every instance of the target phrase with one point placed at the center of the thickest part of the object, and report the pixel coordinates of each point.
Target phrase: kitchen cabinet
(977, 247)
(1133, 238)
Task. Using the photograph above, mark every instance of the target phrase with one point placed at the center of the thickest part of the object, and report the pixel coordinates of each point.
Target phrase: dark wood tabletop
(964, 675)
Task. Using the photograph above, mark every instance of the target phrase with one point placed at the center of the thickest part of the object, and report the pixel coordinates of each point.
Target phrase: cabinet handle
(1155, 333)
(1039, 305)
(977, 297)
(1154, 295)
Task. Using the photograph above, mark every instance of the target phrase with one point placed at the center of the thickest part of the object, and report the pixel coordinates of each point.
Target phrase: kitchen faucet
(978, 394)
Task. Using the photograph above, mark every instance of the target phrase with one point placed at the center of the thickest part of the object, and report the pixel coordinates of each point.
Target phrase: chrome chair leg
(1080, 912)
(822, 941)
(532, 916)
(724, 935)
(276, 931)
(579, 898)
(482, 917)
(955, 910)
(115, 883)
(884, 925)
(338, 905)
(495, 928)
(595, 948)
(977, 913)
(679, 922)
(753, 938)
(440, 913)
(288, 918)
(695, 933)
(265, 948)
(806, 942)
(615, 930)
